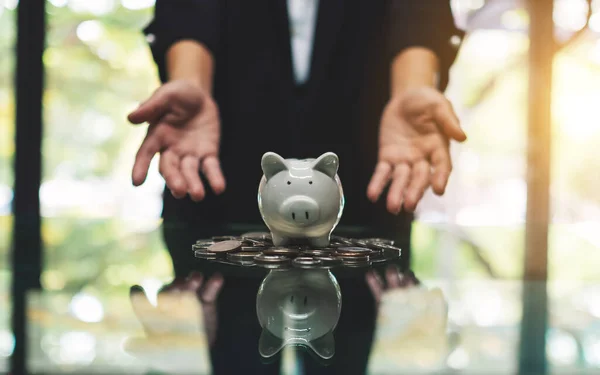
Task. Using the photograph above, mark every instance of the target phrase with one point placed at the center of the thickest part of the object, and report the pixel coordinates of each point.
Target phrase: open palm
(414, 148)
(184, 128)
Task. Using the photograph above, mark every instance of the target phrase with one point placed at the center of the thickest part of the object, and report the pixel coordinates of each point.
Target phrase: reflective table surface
(379, 319)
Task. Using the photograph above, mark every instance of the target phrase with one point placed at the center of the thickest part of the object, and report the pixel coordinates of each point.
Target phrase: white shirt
(303, 19)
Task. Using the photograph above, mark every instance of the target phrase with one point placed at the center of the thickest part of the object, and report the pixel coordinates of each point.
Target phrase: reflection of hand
(414, 139)
(175, 303)
(394, 279)
(185, 129)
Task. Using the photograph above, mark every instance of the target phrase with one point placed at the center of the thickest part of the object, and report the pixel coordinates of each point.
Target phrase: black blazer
(262, 109)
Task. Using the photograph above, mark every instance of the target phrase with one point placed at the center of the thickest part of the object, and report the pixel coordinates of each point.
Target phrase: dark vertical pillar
(535, 315)
(26, 241)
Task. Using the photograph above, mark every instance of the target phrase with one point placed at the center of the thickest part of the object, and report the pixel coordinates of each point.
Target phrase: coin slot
(293, 216)
(305, 300)
(292, 299)
(306, 214)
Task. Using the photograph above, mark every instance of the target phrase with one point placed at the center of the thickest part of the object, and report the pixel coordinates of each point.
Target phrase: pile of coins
(257, 249)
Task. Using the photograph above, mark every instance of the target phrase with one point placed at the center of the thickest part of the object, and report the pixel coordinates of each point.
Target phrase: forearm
(191, 61)
(413, 67)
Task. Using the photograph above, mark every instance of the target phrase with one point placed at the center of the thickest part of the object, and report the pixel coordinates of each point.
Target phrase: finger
(150, 146)
(419, 181)
(142, 307)
(194, 282)
(190, 168)
(381, 177)
(375, 285)
(211, 289)
(212, 170)
(396, 192)
(392, 277)
(169, 169)
(152, 109)
(445, 117)
(442, 166)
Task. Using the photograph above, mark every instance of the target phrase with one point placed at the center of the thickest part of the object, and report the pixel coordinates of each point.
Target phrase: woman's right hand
(184, 127)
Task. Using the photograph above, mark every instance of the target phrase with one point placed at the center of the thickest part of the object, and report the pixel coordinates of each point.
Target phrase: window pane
(7, 148)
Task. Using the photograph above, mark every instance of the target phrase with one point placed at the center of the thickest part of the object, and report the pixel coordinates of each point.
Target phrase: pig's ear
(272, 164)
(327, 163)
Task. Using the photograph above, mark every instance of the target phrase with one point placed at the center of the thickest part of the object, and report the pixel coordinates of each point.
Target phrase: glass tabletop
(380, 319)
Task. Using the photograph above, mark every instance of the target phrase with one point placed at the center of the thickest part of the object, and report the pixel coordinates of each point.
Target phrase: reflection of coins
(329, 260)
(202, 254)
(306, 262)
(353, 250)
(271, 259)
(244, 256)
(284, 251)
(225, 246)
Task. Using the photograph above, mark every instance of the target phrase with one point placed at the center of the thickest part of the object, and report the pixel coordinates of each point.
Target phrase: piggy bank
(300, 199)
(298, 307)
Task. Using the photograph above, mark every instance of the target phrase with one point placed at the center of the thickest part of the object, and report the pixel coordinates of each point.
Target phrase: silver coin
(315, 253)
(226, 246)
(284, 251)
(329, 260)
(391, 252)
(278, 259)
(274, 266)
(200, 246)
(377, 241)
(247, 256)
(206, 242)
(257, 236)
(341, 240)
(205, 255)
(354, 258)
(306, 262)
(355, 264)
(254, 248)
(224, 238)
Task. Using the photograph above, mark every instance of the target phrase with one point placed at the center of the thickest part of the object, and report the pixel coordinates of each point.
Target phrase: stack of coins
(257, 249)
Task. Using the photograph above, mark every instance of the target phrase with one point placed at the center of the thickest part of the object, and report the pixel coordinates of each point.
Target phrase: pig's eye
(310, 182)
(289, 182)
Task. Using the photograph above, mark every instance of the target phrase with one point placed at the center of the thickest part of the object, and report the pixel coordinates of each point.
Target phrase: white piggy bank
(300, 199)
(299, 308)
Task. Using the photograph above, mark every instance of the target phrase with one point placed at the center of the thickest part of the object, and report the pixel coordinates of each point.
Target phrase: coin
(391, 252)
(205, 241)
(377, 241)
(262, 258)
(205, 255)
(254, 248)
(247, 256)
(225, 246)
(356, 264)
(354, 257)
(329, 260)
(281, 251)
(341, 240)
(306, 262)
(315, 253)
(224, 238)
(258, 236)
(201, 246)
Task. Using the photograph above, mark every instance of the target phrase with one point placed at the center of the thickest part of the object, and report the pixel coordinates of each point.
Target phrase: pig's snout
(300, 210)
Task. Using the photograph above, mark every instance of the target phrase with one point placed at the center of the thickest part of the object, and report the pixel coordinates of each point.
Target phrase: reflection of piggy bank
(300, 199)
(298, 307)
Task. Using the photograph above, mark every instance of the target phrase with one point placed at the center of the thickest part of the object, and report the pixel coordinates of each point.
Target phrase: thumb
(152, 109)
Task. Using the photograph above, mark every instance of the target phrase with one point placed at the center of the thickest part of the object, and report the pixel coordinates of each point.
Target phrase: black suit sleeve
(176, 20)
(424, 23)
